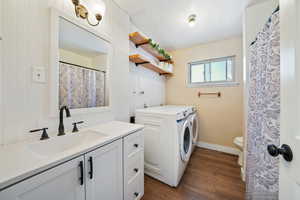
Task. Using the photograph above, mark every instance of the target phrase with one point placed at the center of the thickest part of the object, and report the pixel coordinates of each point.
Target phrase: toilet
(239, 142)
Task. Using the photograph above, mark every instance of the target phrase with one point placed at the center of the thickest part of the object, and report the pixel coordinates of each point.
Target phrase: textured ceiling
(166, 20)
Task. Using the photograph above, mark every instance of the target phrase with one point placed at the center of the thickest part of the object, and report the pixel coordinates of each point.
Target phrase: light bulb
(95, 6)
(192, 23)
(99, 8)
(192, 20)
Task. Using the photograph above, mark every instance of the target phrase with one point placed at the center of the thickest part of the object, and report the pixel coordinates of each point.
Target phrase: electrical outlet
(39, 75)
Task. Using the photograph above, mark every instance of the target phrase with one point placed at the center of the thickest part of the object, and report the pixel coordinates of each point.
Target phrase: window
(219, 71)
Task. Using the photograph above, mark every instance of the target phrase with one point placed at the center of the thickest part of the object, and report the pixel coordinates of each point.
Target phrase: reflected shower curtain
(80, 87)
(262, 170)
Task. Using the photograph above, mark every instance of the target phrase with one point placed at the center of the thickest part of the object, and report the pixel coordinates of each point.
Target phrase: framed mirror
(79, 72)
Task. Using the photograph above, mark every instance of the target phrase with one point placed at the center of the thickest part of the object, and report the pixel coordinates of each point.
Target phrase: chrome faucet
(61, 128)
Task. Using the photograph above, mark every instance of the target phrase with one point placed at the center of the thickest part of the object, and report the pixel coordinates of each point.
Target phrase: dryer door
(195, 127)
(186, 141)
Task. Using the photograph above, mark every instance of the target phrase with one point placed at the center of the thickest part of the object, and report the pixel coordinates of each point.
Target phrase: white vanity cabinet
(134, 166)
(104, 172)
(62, 183)
(114, 171)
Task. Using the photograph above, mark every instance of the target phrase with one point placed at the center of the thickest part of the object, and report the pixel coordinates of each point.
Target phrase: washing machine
(168, 142)
(185, 146)
(193, 118)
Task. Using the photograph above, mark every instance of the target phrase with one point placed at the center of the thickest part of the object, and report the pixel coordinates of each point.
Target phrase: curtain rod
(82, 66)
(269, 20)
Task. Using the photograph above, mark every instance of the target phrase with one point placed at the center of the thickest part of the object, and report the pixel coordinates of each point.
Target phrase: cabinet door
(104, 174)
(60, 183)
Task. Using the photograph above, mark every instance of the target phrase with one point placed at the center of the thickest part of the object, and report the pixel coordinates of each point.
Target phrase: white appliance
(168, 141)
(195, 126)
(193, 119)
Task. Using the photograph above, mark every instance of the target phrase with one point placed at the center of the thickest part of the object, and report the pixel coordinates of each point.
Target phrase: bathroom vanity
(101, 162)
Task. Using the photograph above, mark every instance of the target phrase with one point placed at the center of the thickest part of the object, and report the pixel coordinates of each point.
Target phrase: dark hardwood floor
(210, 175)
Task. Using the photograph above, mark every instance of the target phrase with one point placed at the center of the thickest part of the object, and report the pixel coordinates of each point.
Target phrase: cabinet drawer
(133, 143)
(134, 166)
(134, 189)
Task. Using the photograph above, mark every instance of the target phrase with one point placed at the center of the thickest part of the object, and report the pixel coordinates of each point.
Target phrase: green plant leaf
(161, 51)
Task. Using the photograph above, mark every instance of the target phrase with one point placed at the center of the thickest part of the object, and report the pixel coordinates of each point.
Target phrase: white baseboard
(217, 147)
(243, 174)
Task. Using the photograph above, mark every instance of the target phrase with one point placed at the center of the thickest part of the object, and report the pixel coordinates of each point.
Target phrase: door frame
(1, 74)
(289, 111)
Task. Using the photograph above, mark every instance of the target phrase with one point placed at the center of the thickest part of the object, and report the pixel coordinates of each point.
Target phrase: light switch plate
(39, 74)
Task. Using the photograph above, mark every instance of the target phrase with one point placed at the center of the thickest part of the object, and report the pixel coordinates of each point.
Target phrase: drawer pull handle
(136, 170)
(91, 173)
(81, 172)
(136, 194)
(136, 145)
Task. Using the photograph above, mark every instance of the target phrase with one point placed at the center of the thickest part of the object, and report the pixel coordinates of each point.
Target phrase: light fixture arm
(82, 12)
(98, 18)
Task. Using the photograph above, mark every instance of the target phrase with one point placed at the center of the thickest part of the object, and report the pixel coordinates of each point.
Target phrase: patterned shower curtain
(80, 87)
(262, 170)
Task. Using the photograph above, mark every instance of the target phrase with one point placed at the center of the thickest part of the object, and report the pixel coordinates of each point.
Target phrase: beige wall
(100, 62)
(74, 58)
(221, 119)
(94, 62)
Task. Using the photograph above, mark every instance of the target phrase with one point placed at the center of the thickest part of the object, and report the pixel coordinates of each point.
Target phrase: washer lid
(188, 109)
(178, 111)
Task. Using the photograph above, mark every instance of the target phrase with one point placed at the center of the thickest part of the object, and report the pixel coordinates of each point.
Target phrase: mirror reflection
(83, 64)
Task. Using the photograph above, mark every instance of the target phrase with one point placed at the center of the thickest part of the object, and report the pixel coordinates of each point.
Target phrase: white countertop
(19, 162)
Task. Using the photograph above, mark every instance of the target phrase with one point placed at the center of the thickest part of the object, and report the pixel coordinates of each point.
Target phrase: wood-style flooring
(210, 175)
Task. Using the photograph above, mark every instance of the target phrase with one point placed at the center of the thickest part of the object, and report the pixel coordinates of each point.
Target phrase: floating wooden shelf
(139, 60)
(143, 42)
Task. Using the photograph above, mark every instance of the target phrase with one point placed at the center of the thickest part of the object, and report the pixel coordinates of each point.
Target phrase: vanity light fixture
(192, 20)
(82, 12)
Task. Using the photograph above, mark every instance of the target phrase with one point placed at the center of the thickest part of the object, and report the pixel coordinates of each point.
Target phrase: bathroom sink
(64, 143)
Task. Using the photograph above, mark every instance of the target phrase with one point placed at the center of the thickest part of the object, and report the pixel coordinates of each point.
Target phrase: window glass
(197, 73)
(207, 72)
(218, 71)
(229, 70)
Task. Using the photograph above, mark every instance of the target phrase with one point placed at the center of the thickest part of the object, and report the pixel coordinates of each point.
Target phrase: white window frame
(212, 83)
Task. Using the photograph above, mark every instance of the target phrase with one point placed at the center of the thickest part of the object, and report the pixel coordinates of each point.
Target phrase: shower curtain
(80, 87)
(262, 170)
